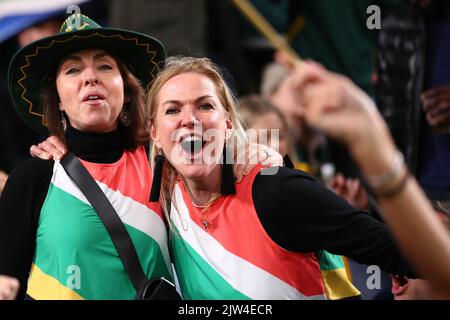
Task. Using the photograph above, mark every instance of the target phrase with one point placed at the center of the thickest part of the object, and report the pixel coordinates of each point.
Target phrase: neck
(204, 189)
(96, 147)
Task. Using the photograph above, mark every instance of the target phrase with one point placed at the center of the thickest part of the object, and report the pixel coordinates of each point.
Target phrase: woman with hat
(86, 86)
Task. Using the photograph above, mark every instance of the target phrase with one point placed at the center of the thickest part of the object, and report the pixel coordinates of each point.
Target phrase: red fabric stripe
(235, 224)
(130, 175)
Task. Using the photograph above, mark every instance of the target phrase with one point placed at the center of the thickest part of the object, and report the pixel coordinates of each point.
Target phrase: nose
(189, 119)
(90, 77)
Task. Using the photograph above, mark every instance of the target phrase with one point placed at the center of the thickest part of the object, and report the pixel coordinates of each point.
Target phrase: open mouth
(93, 98)
(192, 146)
(399, 284)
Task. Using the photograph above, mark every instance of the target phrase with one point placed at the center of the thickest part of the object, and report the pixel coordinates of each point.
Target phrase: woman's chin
(194, 171)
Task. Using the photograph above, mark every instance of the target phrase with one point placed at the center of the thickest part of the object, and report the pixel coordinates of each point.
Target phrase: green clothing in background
(335, 34)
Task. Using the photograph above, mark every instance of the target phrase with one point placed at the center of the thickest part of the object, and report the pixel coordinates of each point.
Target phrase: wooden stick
(267, 30)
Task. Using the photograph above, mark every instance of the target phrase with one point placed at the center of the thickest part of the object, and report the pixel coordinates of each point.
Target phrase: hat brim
(31, 65)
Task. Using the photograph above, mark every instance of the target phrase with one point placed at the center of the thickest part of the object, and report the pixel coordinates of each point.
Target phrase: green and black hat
(31, 65)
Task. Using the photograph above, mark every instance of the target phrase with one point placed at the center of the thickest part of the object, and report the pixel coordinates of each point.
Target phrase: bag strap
(111, 220)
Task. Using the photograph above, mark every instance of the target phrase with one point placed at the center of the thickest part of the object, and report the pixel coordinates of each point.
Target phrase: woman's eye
(105, 67)
(171, 110)
(206, 106)
(71, 71)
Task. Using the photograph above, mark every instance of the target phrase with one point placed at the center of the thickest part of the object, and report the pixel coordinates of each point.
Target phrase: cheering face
(191, 125)
(91, 90)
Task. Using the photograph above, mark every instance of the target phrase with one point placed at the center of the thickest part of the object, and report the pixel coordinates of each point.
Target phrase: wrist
(391, 181)
(374, 151)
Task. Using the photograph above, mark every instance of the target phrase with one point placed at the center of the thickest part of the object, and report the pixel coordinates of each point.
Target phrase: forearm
(343, 111)
(420, 235)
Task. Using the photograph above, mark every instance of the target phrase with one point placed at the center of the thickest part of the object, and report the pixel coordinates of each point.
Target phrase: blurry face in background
(39, 31)
(270, 120)
(417, 289)
(286, 102)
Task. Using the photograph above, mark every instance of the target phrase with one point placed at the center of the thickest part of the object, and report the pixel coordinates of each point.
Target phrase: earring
(125, 118)
(157, 177)
(227, 186)
(63, 122)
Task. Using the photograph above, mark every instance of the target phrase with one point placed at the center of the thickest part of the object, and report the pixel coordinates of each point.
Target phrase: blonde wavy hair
(175, 66)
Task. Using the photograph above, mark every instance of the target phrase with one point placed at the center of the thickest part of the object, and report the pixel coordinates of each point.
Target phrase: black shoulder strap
(115, 227)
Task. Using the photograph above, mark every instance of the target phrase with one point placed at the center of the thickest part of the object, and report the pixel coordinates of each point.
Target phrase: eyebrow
(195, 101)
(78, 58)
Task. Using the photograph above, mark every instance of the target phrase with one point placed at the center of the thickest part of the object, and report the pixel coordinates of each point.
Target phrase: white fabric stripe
(23, 7)
(130, 211)
(242, 275)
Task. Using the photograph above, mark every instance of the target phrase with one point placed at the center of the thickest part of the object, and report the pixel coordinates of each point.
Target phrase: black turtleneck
(26, 190)
(95, 147)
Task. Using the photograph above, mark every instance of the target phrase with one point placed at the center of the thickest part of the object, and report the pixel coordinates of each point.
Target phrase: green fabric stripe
(329, 261)
(197, 279)
(72, 237)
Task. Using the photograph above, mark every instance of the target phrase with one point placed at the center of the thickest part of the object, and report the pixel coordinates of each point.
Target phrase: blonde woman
(256, 239)
(78, 85)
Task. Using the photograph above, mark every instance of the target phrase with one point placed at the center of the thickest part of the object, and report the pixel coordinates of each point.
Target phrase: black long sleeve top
(301, 215)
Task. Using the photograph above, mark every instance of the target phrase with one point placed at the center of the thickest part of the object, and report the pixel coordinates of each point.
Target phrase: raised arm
(343, 111)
